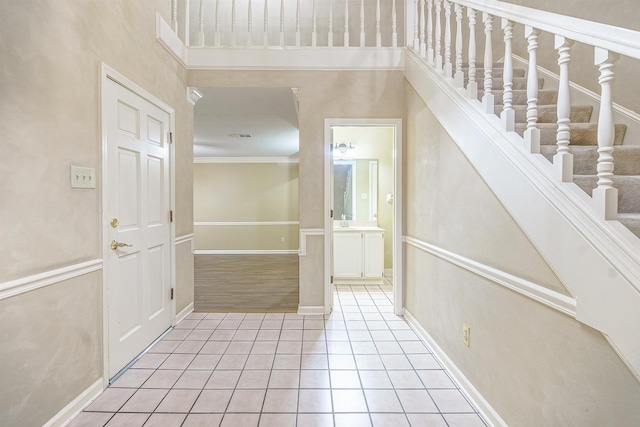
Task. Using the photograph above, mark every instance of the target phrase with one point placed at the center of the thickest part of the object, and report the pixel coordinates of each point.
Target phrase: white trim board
(184, 239)
(36, 281)
(486, 411)
(246, 160)
(183, 314)
(304, 233)
(553, 299)
(311, 310)
(245, 251)
(74, 407)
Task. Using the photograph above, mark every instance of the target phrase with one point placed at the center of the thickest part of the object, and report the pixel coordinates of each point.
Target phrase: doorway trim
(109, 74)
(396, 124)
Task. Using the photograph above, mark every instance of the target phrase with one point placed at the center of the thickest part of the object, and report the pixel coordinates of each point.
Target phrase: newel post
(563, 159)
(605, 196)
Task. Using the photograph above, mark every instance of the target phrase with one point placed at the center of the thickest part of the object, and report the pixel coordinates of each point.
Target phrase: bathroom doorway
(363, 178)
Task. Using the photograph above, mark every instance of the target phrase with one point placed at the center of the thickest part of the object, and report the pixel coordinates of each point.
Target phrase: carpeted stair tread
(519, 83)
(628, 190)
(631, 221)
(545, 97)
(549, 113)
(626, 158)
(581, 133)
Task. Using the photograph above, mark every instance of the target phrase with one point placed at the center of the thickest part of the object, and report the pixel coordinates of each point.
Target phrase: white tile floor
(359, 366)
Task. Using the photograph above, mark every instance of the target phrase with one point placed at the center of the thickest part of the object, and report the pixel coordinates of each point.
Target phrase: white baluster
(362, 38)
(488, 100)
(508, 114)
(217, 21)
(472, 84)
(282, 23)
(394, 25)
(346, 23)
(297, 23)
(174, 16)
(201, 24)
(330, 35)
(438, 49)
(378, 34)
(429, 51)
(532, 134)
(605, 196)
(448, 69)
(265, 36)
(563, 160)
(422, 42)
(187, 24)
(458, 77)
(416, 19)
(314, 33)
(233, 23)
(249, 24)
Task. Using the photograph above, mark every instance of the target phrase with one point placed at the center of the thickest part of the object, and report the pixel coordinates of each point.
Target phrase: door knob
(115, 245)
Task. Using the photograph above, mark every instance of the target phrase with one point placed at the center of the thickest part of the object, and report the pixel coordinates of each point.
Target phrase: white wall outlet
(83, 177)
(282, 240)
(364, 196)
(466, 334)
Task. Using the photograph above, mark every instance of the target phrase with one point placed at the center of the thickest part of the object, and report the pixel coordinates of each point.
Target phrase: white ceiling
(269, 115)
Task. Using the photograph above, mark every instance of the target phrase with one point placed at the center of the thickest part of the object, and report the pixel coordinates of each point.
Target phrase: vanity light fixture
(342, 147)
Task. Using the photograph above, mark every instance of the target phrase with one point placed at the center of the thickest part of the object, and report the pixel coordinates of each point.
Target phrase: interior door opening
(362, 188)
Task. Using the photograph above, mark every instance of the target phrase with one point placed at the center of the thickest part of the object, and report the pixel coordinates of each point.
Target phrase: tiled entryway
(359, 366)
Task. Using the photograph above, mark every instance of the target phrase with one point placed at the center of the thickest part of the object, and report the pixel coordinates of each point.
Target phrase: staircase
(584, 142)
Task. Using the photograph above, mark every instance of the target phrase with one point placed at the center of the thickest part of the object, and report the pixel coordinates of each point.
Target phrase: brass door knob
(115, 245)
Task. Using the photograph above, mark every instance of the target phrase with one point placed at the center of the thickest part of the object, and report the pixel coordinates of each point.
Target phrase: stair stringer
(597, 261)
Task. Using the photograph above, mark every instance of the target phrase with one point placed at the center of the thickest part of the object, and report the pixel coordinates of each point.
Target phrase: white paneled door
(138, 236)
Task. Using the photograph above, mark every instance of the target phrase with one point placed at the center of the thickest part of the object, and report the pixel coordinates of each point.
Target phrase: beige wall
(246, 192)
(322, 94)
(50, 119)
(534, 365)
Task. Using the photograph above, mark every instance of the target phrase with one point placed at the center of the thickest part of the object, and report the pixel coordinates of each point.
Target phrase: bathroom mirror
(355, 190)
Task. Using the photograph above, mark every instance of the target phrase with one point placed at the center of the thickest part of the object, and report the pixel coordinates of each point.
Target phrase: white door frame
(396, 124)
(107, 73)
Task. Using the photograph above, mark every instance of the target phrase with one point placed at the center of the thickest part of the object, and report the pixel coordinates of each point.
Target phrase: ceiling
(225, 115)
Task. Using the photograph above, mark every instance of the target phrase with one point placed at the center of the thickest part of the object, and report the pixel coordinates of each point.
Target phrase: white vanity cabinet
(358, 255)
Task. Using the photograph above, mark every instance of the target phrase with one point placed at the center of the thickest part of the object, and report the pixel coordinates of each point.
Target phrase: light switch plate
(83, 177)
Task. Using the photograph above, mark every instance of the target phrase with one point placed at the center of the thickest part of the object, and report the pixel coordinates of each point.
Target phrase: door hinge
(170, 216)
(361, 274)
(331, 213)
(170, 137)
(171, 293)
(331, 279)
(331, 148)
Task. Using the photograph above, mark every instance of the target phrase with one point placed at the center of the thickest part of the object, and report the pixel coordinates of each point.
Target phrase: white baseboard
(485, 409)
(245, 252)
(309, 310)
(184, 313)
(70, 411)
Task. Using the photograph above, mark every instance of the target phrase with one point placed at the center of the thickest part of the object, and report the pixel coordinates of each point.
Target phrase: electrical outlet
(282, 240)
(466, 334)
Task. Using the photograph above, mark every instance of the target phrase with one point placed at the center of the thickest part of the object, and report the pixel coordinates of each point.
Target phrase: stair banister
(201, 23)
(605, 196)
(249, 24)
(563, 159)
(429, 46)
(233, 23)
(458, 77)
(508, 114)
(281, 23)
(532, 133)
(346, 23)
(297, 23)
(488, 101)
(416, 20)
(438, 48)
(448, 70)
(266, 23)
(174, 15)
(330, 35)
(378, 33)
(472, 84)
(216, 39)
(314, 32)
(362, 39)
(394, 25)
